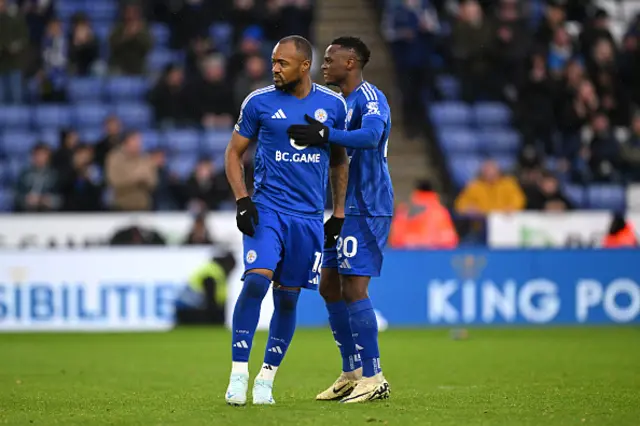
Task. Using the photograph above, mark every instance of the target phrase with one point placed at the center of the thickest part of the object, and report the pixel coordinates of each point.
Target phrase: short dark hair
(361, 50)
(303, 45)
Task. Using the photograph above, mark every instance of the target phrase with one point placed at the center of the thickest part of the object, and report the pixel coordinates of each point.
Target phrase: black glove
(246, 216)
(332, 228)
(313, 134)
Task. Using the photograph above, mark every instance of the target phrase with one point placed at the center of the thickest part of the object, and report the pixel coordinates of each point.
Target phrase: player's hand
(313, 134)
(246, 216)
(332, 228)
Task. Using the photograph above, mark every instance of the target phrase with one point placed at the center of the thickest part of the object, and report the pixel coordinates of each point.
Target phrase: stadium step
(407, 158)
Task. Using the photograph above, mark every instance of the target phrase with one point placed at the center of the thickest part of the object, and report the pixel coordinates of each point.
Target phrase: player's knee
(285, 300)
(330, 286)
(355, 288)
(256, 285)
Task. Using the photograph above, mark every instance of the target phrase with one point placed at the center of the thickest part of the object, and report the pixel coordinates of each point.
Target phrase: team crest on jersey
(373, 108)
(321, 115)
(349, 114)
(251, 256)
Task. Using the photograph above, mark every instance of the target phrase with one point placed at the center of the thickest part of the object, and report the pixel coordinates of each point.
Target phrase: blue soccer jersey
(369, 192)
(289, 178)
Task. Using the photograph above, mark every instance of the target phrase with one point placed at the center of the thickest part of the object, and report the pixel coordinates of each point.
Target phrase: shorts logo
(251, 256)
(321, 115)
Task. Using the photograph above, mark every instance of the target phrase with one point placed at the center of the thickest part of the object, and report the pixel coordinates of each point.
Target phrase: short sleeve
(248, 121)
(341, 114)
(374, 108)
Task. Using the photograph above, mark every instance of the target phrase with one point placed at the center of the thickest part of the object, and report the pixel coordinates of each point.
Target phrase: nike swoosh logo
(242, 212)
(340, 388)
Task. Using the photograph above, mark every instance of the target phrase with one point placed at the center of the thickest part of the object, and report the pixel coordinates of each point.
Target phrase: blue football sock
(246, 315)
(365, 327)
(283, 325)
(342, 334)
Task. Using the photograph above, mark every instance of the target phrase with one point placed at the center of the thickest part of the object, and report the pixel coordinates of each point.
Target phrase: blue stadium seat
(159, 58)
(50, 136)
(182, 141)
(90, 135)
(101, 10)
(221, 34)
(458, 140)
(134, 114)
(52, 116)
(5, 177)
(17, 117)
(182, 165)
(126, 88)
(66, 9)
(575, 194)
(151, 140)
(102, 31)
(464, 168)
(450, 113)
(85, 89)
(17, 143)
(6, 200)
(161, 34)
(215, 142)
(499, 140)
(90, 115)
(606, 197)
(492, 114)
(449, 87)
(507, 163)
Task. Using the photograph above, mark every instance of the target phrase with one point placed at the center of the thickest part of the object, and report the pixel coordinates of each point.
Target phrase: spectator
(273, 21)
(84, 46)
(512, 44)
(577, 114)
(63, 157)
(472, 49)
(423, 223)
(535, 109)
(244, 14)
(166, 194)
(14, 39)
(622, 234)
(547, 196)
(250, 45)
(53, 76)
(131, 175)
(199, 49)
(561, 51)
(81, 187)
(630, 151)
(207, 189)
(595, 30)
(297, 16)
(211, 93)
(630, 65)
(169, 99)
(604, 153)
(37, 188)
(37, 14)
(603, 71)
(111, 139)
(411, 30)
(253, 77)
(490, 192)
(199, 234)
(190, 21)
(554, 19)
(129, 43)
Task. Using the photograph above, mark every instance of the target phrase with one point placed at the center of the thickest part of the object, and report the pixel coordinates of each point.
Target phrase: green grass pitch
(511, 377)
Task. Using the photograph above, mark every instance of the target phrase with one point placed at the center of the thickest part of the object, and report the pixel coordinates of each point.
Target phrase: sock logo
(241, 344)
(267, 367)
(276, 350)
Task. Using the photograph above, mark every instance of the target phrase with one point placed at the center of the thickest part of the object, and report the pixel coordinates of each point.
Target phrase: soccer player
(348, 268)
(282, 222)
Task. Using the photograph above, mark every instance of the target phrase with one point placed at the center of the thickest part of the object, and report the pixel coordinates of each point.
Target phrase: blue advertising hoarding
(501, 287)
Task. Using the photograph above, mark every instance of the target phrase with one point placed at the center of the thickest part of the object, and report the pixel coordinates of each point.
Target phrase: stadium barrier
(533, 229)
(132, 289)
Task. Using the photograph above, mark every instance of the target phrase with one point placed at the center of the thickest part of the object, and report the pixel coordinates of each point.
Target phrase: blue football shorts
(288, 245)
(359, 248)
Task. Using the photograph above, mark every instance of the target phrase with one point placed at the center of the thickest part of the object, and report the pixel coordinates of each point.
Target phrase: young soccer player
(282, 223)
(348, 268)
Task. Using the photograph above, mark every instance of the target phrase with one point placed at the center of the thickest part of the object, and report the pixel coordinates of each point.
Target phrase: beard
(289, 86)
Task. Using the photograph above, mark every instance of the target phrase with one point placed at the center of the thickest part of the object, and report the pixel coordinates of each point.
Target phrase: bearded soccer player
(283, 222)
(360, 238)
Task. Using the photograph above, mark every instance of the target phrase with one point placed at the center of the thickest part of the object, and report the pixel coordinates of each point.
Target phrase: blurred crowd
(40, 52)
(570, 77)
